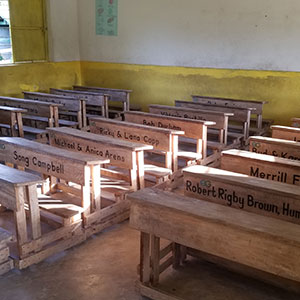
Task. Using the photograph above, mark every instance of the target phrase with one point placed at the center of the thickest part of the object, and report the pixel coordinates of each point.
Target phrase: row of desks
(244, 216)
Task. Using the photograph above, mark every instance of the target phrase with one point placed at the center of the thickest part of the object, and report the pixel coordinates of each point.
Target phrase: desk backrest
(10, 179)
(276, 147)
(95, 99)
(261, 166)
(115, 94)
(286, 133)
(195, 129)
(239, 114)
(68, 103)
(258, 105)
(239, 191)
(159, 138)
(120, 153)
(46, 159)
(218, 120)
(42, 109)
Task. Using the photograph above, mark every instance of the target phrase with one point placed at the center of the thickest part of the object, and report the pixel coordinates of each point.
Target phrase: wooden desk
(276, 147)
(286, 133)
(220, 119)
(265, 247)
(161, 139)
(67, 103)
(118, 95)
(261, 166)
(258, 105)
(122, 154)
(11, 119)
(242, 115)
(94, 100)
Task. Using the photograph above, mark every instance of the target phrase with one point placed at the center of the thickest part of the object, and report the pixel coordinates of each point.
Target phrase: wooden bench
(193, 129)
(69, 104)
(35, 111)
(122, 154)
(116, 95)
(220, 119)
(240, 115)
(6, 263)
(261, 166)
(19, 195)
(11, 120)
(258, 105)
(94, 101)
(286, 133)
(296, 122)
(276, 147)
(254, 245)
(73, 193)
(163, 141)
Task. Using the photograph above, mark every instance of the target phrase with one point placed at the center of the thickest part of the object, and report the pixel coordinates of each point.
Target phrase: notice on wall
(107, 17)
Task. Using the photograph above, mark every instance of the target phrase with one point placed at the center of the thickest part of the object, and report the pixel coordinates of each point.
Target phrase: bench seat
(56, 204)
(45, 120)
(156, 171)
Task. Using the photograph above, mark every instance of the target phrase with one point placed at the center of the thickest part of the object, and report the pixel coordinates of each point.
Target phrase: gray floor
(105, 267)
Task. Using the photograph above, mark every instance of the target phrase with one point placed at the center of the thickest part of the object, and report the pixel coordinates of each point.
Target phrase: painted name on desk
(87, 149)
(256, 149)
(127, 136)
(233, 199)
(28, 161)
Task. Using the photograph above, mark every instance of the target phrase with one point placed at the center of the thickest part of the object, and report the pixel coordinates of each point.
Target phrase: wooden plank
(5, 236)
(6, 267)
(68, 103)
(4, 254)
(286, 133)
(117, 151)
(33, 108)
(239, 114)
(159, 138)
(20, 216)
(261, 166)
(34, 212)
(276, 147)
(259, 196)
(155, 293)
(46, 159)
(91, 98)
(219, 230)
(257, 105)
(242, 103)
(219, 118)
(115, 94)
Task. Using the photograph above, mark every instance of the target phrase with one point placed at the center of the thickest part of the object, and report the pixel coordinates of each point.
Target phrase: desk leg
(175, 153)
(145, 258)
(96, 188)
(140, 169)
(155, 259)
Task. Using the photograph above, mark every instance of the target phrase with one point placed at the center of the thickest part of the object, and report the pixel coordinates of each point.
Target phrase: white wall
(238, 34)
(63, 31)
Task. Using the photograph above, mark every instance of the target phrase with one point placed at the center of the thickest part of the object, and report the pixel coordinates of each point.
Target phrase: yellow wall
(38, 77)
(155, 84)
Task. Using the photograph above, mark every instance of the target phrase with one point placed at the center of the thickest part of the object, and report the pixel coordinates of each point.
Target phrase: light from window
(5, 40)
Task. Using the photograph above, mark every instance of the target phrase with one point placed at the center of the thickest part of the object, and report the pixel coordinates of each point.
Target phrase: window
(27, 24)
(5, 40)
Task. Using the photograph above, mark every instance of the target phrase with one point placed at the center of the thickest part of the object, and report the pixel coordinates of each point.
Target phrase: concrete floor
(104, 267)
